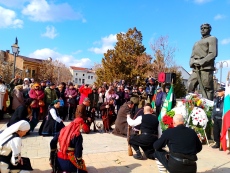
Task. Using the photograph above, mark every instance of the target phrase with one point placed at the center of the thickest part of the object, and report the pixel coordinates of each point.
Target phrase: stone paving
(106, 153)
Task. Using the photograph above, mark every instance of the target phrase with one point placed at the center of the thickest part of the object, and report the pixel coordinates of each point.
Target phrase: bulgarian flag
(226, 117)
(167, 106)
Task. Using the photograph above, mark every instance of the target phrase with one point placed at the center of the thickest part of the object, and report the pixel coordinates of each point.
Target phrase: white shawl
(7, 133)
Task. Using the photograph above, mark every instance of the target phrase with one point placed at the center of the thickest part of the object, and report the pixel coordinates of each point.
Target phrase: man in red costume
(69, 154)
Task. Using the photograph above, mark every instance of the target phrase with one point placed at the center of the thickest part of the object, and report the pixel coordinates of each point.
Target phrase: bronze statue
(202, 61)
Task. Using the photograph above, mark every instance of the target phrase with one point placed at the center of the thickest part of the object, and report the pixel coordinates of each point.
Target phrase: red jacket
(84, 93)
(39, 95)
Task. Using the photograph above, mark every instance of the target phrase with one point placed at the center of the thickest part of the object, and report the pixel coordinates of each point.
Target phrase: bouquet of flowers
(199, 111)
(167, 120)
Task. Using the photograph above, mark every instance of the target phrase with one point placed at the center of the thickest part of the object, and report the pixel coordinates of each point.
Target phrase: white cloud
(41, 10)
(219, 17)
(225, 41)
(8, 19)
(201, 1)
(50, 32)
(68, 60)
(106, 43)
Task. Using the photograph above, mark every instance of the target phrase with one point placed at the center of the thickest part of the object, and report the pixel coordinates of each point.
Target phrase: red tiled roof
(78, 68)
(30, 59)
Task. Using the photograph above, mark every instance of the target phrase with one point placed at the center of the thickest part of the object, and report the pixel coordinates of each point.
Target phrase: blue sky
(78, 32)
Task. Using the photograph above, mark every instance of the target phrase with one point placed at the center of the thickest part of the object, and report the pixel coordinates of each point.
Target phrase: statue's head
(205, 29)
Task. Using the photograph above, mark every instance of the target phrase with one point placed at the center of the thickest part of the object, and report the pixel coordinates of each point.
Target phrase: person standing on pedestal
(202, 61)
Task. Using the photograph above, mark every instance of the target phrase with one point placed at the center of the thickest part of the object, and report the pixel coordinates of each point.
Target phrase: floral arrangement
(167, 120)
(200, 111)
(197, 113)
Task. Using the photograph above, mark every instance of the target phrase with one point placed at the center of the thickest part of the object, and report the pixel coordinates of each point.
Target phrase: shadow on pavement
(121, 169)
(92, 169)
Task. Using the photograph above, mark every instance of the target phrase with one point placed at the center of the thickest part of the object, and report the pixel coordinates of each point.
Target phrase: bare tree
(54, 71)
(163, 60)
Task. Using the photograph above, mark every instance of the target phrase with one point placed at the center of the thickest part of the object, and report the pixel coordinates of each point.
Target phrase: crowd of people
(120, 104)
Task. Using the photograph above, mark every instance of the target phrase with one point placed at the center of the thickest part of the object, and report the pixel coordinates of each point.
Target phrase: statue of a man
(202, 61)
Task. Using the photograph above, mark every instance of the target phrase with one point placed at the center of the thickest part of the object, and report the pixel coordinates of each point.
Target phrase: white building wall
(80, 77)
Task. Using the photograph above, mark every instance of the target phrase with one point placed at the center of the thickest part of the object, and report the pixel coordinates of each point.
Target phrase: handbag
(71, 101)
(33, 103)
(41, 103)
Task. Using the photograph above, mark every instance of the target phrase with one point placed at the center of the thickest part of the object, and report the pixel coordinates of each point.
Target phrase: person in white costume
(10, 145)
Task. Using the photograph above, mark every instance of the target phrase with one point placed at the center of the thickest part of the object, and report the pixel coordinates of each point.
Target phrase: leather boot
(138, 155)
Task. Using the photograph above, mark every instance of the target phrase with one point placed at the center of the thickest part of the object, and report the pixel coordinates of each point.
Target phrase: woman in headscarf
(26, 88)
(53, 123)
(69, 154)
(18, 98)
(36, 94)
(10, 146)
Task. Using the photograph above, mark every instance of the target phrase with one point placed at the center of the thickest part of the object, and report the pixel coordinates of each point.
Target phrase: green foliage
(171, 113)
(179, 87)
(127, 61)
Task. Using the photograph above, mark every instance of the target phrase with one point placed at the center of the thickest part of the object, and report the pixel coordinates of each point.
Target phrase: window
(79, 80)
(83, 74)
(83, 81)
(91, 77)
(76, 80)
(88, 77)
(76, 74)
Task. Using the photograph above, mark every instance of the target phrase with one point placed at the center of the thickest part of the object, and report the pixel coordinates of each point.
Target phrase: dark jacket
(93, 97)
(150, 89)
(179, 139)
(217, 111)
(159, 99)
(20, 113)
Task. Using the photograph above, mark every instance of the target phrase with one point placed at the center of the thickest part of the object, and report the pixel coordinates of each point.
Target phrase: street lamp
(15, 50)
(220, 67)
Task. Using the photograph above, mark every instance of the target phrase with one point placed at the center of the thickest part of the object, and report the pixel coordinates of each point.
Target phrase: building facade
(185, 76)
(25, 66)
(82, 75)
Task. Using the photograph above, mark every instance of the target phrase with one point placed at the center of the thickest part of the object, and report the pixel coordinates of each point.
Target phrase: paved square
(106, 153)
